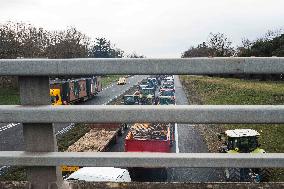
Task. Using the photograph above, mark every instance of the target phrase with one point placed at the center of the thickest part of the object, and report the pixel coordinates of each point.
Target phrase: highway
(187, 137)
(188, 140)
(11, 134)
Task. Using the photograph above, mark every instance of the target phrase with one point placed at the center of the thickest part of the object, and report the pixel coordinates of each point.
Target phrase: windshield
(244, 144)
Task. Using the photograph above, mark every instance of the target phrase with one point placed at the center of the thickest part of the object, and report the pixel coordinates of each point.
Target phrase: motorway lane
(11, 137)
(190, 141)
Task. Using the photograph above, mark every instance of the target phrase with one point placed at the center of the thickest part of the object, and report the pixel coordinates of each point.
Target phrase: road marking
(65, 129)
(10, 125)
(176, 138)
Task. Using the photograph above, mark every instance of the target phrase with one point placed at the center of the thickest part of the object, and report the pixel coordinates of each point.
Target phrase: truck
(148, 137)
(63, 92)
(99, 139)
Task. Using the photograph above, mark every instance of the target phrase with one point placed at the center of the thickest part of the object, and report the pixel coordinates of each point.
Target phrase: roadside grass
(71, 136)
(220, 91)
(9, 96)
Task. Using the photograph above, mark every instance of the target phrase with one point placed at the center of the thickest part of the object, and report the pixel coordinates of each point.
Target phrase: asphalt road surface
(188, 140)
(11, 134)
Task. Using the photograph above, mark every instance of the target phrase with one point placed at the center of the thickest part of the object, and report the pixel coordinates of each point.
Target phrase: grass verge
(9, 96)
(215, 91)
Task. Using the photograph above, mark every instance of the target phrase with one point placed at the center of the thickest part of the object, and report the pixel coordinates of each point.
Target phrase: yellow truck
(55, 97)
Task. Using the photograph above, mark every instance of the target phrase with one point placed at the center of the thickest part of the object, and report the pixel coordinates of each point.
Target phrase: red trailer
(148, 138)
(139, 141)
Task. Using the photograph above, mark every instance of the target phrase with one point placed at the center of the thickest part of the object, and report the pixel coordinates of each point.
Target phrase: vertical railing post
(39, 137)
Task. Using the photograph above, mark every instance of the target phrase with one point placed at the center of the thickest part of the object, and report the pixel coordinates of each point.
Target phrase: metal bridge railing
(37, 115)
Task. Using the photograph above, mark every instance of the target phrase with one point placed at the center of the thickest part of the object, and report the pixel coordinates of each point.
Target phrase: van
(101, 174)
(121, 81)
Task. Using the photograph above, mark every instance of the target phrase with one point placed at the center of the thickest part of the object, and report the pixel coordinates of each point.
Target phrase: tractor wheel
(233, 174)
(264, 174)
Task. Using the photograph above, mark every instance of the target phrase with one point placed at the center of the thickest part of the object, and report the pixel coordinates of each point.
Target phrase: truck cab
(55, 96)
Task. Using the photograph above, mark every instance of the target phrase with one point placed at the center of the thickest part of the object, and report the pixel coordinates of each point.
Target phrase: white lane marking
(10, 125)
(65, 129)
(176, 138)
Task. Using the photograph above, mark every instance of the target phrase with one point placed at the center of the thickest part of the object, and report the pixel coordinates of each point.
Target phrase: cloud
(160, 28)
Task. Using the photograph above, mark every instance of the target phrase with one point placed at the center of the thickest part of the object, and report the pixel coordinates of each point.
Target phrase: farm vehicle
(243, 141)
(147, 96)
(121, 81)
(166, 100)
(131, 100)
(145, 137)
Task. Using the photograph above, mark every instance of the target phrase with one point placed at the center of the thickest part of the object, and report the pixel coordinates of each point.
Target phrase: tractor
(166, 100)
(147, 96)
(131, 99)
(243, 141)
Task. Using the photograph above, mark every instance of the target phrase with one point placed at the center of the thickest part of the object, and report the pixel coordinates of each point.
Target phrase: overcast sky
(155, 28)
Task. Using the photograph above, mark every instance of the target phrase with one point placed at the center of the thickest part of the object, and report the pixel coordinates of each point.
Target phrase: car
(100, 174)
(121, 81)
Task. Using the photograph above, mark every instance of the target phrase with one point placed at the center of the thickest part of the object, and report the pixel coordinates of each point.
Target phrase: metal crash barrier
(37, 115)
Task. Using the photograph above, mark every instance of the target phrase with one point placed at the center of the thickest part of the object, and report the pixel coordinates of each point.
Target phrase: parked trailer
(145, 137)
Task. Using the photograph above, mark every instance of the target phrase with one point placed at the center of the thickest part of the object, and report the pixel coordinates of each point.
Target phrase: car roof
(98, 174)
(241, 133)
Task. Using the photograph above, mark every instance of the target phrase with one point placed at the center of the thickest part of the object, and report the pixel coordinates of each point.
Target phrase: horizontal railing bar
(96, 66)
(142, 159)
(149, 113)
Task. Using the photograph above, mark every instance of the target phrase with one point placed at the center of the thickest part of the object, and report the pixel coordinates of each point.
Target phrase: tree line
(21, 40)
(219, 45)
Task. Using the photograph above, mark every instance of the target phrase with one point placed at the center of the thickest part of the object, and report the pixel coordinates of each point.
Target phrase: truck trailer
(146, 137)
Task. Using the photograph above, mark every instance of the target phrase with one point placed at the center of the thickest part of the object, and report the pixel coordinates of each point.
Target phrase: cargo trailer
(145, 137)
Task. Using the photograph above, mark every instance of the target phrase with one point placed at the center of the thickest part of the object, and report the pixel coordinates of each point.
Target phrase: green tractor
(131, 99)
(166, 100)
(147, 96)
(243, 141)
